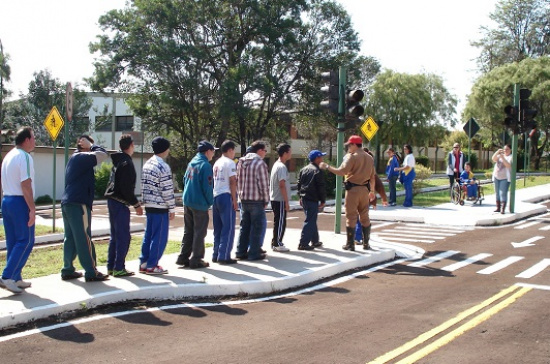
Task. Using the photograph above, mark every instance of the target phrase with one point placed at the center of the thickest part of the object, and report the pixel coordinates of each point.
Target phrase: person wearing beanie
(120, 194)
(76, 207)
(157, 191)
(198, 197)
(358, 170)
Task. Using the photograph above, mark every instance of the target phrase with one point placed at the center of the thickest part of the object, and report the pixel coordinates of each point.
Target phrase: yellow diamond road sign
(54, 123)
(369, 128)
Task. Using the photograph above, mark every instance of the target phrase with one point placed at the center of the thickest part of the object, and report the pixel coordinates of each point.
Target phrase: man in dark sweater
(76, 207)
(120, 194)
(311, 188)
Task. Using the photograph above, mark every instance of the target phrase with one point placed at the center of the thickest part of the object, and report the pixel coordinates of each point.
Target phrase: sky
(421, 36)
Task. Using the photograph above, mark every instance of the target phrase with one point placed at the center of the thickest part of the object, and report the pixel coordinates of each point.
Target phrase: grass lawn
(44, 261)
(38, 230)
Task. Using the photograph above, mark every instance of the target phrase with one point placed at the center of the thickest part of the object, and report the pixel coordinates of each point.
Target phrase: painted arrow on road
(527, 242)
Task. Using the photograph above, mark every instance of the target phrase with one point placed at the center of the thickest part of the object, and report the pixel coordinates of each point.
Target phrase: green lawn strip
(38, 230)
(48, 260)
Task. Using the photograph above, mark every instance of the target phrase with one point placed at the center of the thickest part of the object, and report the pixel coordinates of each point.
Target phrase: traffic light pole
(514, 154)
(340, 147)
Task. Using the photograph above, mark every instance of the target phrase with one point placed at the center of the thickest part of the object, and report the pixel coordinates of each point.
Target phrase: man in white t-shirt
(279, 194)
(225, 204)
(18, 210)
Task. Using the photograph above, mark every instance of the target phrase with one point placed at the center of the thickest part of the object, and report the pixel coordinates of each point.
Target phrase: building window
(125, 123)
(103, 123)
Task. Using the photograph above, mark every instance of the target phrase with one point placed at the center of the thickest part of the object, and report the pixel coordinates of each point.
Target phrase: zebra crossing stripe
(421, 232)
(465, 262)
(544, 228)
(526, 225)
(435, 258)
(401, 240)
(409, 235)
(534, 270)
(500, 265)
(440, 231)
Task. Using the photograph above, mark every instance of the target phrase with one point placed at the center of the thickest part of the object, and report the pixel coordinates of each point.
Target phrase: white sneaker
(10, 285)
(280, 249)
(23, 284)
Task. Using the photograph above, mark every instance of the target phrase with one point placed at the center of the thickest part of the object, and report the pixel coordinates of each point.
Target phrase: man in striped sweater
(253, 192)
(157, 190)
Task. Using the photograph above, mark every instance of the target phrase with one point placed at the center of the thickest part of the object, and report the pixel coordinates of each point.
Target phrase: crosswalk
(493, 268)
(414, 233)
(541, 222)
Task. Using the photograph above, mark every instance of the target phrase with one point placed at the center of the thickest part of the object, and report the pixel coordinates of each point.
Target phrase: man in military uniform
(358, 170)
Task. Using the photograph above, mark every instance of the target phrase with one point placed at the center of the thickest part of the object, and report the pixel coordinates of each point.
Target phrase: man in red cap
(358, 170)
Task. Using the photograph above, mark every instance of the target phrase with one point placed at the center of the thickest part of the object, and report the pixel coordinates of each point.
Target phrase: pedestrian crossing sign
(369, 128)
(54, 123)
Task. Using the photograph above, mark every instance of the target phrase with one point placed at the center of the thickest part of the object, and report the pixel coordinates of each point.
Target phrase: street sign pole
(53, 123)
(514, 155)
(340, 147)
(69, 110)
(54, 173)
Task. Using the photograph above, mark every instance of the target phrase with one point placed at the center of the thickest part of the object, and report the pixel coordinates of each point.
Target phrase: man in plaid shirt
(253, 192)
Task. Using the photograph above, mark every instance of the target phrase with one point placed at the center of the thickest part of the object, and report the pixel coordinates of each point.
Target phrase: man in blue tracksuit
(198, 197)
(392, 174)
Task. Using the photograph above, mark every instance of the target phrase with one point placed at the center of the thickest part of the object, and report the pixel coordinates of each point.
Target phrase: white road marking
(435, 258)
(409, 235)
(465, 262)
(500, 265)
(527, 242)
(545, 228)
(534, 270)
(526, 225)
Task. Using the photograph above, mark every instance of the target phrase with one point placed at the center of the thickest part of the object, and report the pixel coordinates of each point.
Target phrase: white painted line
(384, 224)
(450, 228)
(400, 240)
(500, 265)
(545, 228)
(407, 235)
(526, 225)
(534, 286)
(435, 258)
(465, 262)
(424, 231)
(534, 270)
(442, 230)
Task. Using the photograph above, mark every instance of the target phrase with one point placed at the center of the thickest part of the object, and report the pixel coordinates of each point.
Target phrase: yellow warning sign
(369, 128)
(54, 123)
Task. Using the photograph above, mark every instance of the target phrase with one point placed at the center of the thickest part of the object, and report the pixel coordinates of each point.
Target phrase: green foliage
(422, 160)
(422, 174)
(102, 175)
(44, 199)
(472, 158)
(330, 184)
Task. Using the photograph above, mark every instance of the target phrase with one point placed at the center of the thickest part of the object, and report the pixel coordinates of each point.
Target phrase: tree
(219, 68)
(45, 91)
(522, 31)
(494, 90)
(410, 106)
(5, 73)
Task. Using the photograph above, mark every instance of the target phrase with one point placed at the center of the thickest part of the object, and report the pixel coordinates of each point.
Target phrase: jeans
(392, 181)
(501, 189)
(309, 230)
(251, 232)
(408, 184)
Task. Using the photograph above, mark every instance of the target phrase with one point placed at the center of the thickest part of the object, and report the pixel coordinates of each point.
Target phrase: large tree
(522, 30)
(494, 90)
(45, 91)
(5, 74)
(219, 68)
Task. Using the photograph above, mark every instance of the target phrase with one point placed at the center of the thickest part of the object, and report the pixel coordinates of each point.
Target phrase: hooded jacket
(198, 192)
(252, 179)
(122, 183)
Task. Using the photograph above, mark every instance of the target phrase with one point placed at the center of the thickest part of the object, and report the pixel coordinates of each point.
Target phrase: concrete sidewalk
(280, 271)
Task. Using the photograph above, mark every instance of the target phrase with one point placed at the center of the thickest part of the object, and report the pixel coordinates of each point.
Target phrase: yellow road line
(465, 327)
(444, 326)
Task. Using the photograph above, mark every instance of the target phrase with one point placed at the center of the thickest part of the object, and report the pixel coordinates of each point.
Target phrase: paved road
(461, 299)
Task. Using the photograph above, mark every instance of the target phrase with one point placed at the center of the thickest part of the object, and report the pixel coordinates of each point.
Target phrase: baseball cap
(314, 154)
(355, 139)
(204, 146)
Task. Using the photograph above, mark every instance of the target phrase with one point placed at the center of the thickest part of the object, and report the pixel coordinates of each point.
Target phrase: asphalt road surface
(474, 298)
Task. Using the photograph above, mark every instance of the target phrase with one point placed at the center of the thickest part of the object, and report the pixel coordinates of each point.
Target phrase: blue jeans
(252, 229)
(119, 219)
(501, 189)
(391, 184)
(309, 230)
(19, 237)
(408, 185)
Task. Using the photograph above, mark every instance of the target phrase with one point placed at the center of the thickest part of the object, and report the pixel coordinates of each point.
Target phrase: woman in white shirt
(501, 176)
(407, 170)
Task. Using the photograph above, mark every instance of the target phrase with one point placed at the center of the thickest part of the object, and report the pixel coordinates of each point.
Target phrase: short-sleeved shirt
(17, 166)
(279, 173)
(500, 171)
(409, 161)
(224, 169)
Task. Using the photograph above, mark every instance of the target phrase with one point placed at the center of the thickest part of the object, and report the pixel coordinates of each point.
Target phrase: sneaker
(23, 284)
(280, 249)
(122, 273)
(156, 270)
(110, 272)
(305, 247)
(357, 242)
(199, 264)
(317, 244)
(99, 277)
(2, 285)
(11, 286)
(228, 261)
(73, 275)
(143, 268)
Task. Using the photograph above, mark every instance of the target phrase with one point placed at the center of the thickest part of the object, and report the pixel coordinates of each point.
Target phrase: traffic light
(511, 120)
(353, 109)
(331, 91)
(527, 114)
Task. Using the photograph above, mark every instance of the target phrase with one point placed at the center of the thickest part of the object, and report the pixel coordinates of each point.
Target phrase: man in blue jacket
(198, 197)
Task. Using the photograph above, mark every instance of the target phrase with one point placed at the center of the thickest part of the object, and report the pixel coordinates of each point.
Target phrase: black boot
(350, 244)
(366, 237)
(498, 206)
(503, 207)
